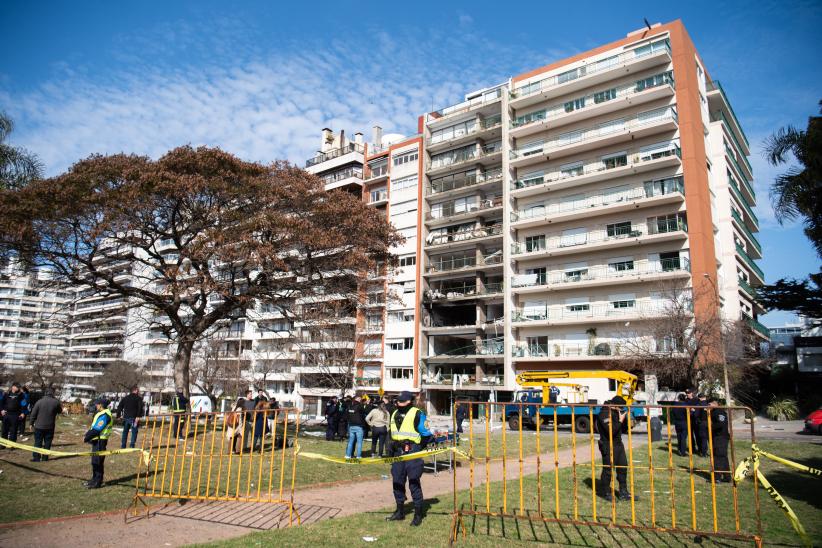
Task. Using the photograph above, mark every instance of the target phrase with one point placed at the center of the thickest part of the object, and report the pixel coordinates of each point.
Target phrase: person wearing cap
(12, 410)
(179, 407)
(409, 434)
(43, 421)
(679, 416)
(701, 416)
(692, 402)
(720, 437)
(98, 436)
(609, 425)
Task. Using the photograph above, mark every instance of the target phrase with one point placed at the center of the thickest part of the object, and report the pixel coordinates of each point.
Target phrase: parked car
(813, 422)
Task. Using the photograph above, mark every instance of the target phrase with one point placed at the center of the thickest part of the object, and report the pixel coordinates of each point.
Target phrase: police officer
(702, 425)
(408, 435)
(98, 436)
(720, 437)
(679, 416)
(553, 394)
(609, 426)
(12, 409)
(691, 402)
(331, 419)
(179, 406)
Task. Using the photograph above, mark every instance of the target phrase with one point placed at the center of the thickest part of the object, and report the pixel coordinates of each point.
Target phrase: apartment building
(560, 206)
(32, 319)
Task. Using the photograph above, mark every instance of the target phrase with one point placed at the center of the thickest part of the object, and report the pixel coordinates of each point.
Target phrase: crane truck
(537, 385)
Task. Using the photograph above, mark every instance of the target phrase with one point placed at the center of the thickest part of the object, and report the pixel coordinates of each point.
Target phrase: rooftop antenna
(647, 24)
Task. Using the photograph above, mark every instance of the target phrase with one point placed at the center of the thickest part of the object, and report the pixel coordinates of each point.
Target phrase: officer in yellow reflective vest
(179, 406)
(98, 436)
(408, 435)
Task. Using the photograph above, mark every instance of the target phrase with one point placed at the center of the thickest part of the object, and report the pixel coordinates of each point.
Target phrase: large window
(404, 183)
(453, 132)
(534, 243)
(616, 230)
(406, 158)
(575, 104)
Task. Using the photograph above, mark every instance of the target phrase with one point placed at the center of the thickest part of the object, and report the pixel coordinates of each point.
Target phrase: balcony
(635, 272)
(610, 132)
(485, 154)
(342, 178)
(372, 328)
(560, 351)
(746, 185)
(463, 292)
(715, 86)
(747, 289)
(463, 181)
(752, 266)
(594, 313)
(484, 129)
(599, 204)
(450, 214)
(591, 73)
(474, 350)
(367, 381)
(335, 153)
(744, 203)
(757, 327)
(378, 198)
(719, 116)
(458, 264)
(488, 98)
(593, 104)
(452, 239)
(747, 231)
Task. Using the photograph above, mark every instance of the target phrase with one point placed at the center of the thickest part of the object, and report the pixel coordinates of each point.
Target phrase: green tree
(18, 166)
(796, 193)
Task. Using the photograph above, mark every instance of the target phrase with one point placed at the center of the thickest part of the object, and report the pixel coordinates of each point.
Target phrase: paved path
(178, 525)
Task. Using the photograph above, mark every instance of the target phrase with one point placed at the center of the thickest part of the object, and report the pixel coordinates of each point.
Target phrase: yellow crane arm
(626, 382)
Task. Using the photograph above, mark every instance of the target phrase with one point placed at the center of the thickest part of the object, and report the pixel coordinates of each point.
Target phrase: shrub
(784, 409)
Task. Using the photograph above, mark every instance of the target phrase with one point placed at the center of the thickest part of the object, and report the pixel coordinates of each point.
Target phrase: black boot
(624, 494)
(399, 513)
(417, 516)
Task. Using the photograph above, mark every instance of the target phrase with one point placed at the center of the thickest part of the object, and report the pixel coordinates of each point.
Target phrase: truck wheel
(513, 422)
(583, 425)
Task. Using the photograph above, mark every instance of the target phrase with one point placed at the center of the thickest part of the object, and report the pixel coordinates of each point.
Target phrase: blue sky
(260, 79)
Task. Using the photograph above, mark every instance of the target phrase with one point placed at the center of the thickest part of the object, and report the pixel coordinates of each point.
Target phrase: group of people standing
(250, 418)
(691, 417)
(15, 406)
(353, 418)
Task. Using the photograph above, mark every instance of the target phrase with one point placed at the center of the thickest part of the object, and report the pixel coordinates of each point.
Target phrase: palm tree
(796, 193)
(18, 166)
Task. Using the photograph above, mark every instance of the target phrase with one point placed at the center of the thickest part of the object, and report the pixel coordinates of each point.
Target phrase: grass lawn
(801, 491)
(32, 490)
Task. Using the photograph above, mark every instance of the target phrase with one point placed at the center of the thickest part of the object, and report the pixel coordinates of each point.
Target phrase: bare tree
(119, 376)
(45, 372)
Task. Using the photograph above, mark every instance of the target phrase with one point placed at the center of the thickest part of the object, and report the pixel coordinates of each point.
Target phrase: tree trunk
(182, 361)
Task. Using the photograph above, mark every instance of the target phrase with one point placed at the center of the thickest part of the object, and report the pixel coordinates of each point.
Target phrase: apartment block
(559, 206)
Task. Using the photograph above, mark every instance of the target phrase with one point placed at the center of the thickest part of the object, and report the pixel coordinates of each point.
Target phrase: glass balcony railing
(610, 127)
(715, 85)
(355, 173)
(466, 106)
(746, 287)
(719, 116)
(590, 100)
(614, 271)
(667, 225)
(464, 156)
(749, 262)
(564, 242)
(757, 326)
(451, 210)
(609, 63)
(743, 202)
(440, 238)
(743, 178)
(459, 263)
(747, 231)
(336, 153)
(591, 311)
(597, 165)
(598, 200)
(462, 180)
(558, 350)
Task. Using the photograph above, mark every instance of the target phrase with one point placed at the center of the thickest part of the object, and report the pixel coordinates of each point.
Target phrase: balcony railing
(758, 327)
(733, 137)
(607, 128)
(445, 213)
(488, 347)
(747, 231)
(745, 182)
(465, 156)
(465, 106)
(749, 262)
(462, 291)
(603, 65)
(336, 153)
(435, 238)
(462, 180)
(741, 199)
(593, 99)
(593, 311)
(746, 287)
(597, 165)
(459, 263)
(367, 381)
(599, 200)
(715, 85)
(602, 272)
(356, 173)
(558, 350)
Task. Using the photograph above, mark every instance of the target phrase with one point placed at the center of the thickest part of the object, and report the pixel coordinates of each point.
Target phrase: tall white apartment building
(32, 319)
(558, 204)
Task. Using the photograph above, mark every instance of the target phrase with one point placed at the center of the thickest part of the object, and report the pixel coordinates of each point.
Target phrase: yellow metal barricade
(243, 456)
(687, 493)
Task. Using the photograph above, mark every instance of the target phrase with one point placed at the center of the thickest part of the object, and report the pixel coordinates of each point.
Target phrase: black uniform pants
(179, 424)
(702, 438)
(42, 438)
(378, 435)
(722, 468)
(98, 462)
(620, 465)
(410, 470)
(330, 428)
(681, 437)
(10, 426)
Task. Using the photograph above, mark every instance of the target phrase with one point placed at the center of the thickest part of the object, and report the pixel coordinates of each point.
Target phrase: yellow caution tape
(752, 463)
(383, 460)
(60, 454)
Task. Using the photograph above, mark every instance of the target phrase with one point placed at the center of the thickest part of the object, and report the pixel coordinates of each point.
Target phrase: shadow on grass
(794, 484)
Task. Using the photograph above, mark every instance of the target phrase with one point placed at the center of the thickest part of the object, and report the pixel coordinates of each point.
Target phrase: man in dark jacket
(179, 407)
(27, 403)
(12, 411)
(679, 416)
(462, 414)
(720, 436)
(97, 435)
(43, 420)
(609, 426)
(331, 419)
(701, 415)
(355, 417)
(130, 410)
(342, 417)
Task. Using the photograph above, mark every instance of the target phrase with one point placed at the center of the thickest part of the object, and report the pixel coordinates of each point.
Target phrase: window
(607, 95)
(664, 186)
(395, 345)
(534, 243)
(578, 307)
(531, 179)
(540, 273)
(395, 316)
(658, 150)
(401, 372)
(574, 236)
(612, 161)
(667, 223)
(669, 261)
(575, 104)
(534, 147)
(529, 118)
(408, 260)
(623, 304)
(621, 265)
(406, 158)
(576, 275)
(652, 48)
(378, 168)
(404, 183)
(617, 230)
(535, 310)
(409, 286)
(572, 74)
(571, 170)
(453, 132)
(408, 343)
(378, 195)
